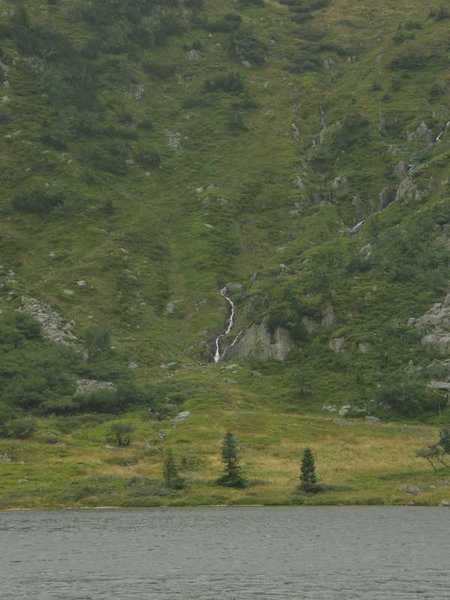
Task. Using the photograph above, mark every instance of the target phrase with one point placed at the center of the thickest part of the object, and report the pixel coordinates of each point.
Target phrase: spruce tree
(171, 477)
(232, 476)
(308, 477)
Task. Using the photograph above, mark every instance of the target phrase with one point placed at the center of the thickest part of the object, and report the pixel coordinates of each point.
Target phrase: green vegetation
(308, 477)
(154, 152)
(232, 476)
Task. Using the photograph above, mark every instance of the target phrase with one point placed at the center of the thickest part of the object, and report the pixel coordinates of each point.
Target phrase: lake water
(226, 553)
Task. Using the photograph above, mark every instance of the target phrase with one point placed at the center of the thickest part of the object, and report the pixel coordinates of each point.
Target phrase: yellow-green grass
(363, 463)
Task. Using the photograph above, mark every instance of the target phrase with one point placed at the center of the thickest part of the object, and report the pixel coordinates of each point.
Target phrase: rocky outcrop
(407, 191)
(90, 386)
(54, 327)
(259, 343)
(435, 324)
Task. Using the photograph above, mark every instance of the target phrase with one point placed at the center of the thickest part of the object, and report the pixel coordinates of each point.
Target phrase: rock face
(407, 191)
(54, 327)
(259, 343)
(90, 386)
(435, 324)
(337, 344)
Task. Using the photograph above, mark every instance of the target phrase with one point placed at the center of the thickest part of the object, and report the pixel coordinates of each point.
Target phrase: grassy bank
(69, 462)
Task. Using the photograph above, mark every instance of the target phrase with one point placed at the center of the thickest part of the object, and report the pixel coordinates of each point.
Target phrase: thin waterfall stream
(230, 323)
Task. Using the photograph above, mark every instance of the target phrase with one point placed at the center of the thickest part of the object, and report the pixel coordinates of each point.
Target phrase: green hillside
(294, 154)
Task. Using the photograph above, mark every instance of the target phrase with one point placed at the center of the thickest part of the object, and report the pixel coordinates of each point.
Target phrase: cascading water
(230, 323)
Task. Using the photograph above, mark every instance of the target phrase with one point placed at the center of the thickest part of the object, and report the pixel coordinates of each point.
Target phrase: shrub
(110, 157)
(354, 127)
(409, 399)
(232, 476)
(150, 159)
(171, 478)
(159, 70)
(38, 201)
(308, 477)
(27, 326)
(21, 429)
(227, 24)
(97, 340)
(231, 83)
(409, 60)
(245, 46)
(121, 434)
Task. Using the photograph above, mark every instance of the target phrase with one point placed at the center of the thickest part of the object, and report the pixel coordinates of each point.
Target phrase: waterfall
(230, 323)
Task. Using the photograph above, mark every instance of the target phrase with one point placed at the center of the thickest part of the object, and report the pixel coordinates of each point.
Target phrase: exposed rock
(90, 386)
(344, 410)
(422, 134)
(364, 347)
(440, 385)
(337, 344)
(54, 327)
(171, 307)
(173, 140)
(401, 170)
(331, 408)
(310, 325)
(339, 185)
(413, 490)
(407, 191)
(259, 343)
(181, 417)
(366, 251)
(328, 316)
(372, 420)
(436, 325)
(445, 503)
(194, 55)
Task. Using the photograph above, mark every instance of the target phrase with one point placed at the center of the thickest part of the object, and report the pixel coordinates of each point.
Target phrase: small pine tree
(171, 477)
(444, 440)
(232, 476)
(308, 477)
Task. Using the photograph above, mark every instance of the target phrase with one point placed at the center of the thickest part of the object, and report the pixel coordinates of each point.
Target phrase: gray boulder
(259, 343)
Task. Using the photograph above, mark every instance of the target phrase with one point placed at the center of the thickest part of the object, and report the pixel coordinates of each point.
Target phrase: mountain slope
(295, 152)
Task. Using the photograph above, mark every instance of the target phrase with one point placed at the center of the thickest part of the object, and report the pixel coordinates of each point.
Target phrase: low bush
(38, 201)
(230, 83)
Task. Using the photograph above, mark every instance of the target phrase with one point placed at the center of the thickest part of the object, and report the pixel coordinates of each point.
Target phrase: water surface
(227, 553)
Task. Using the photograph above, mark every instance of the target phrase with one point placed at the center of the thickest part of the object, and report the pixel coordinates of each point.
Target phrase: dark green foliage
(409, 398)
(232, 476)
(227, 24)
(22, 428)
(149, 159)
(38, 201)
(33, 371)
(245, 46)
(171, 478)
(409, 61)
(440, 14)
(444, 440)
(245, 3)
(97, 340)
(121, 434)
(308, 477)
(159, 70)
(354, 127)
(111, 157)
(231, 84)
